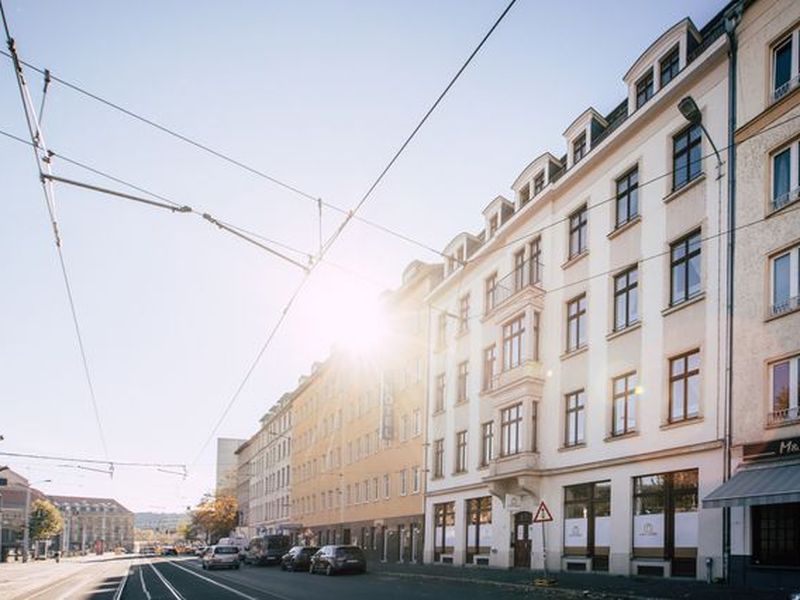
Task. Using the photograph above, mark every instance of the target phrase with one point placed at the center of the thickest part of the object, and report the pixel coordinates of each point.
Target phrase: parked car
(266, 549)
(336, 559)
(199, 551)
(169, 551)
(221, 556)
(298, 558)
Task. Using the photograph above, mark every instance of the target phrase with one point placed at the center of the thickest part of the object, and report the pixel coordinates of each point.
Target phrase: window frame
(487, 443)
(686, 376)
(672, 60)
(580, 318)
(460, 465)
(645, 88)
(578, 238)
(627, 195)
(514, 342)
(463, 375)
(693, 168)
(579, 148)
(490, 293)
(684, 244)
(779, 91)
(489, 367)
(575, 413)
(791, 410)
(441, 389)
(792, 301)
(463, 313)
(628, 397)
(535, 252)
(438, 458)
(511, 422)
(627, 295)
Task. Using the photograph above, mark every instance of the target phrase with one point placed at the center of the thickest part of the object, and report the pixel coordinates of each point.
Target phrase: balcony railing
(785, 199)
(526, 275)
(527, 368)
(788, 305)
(787, 87)
(784, 415)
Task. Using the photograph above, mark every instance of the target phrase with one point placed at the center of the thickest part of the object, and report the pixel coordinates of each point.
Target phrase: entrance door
(522, 539)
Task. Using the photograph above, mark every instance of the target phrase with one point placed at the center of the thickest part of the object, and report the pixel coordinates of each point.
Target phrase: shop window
(479, 527)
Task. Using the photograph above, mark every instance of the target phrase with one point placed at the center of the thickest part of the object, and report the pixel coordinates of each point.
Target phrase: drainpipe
(732, 19)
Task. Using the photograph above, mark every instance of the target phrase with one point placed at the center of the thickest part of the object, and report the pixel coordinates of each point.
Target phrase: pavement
(181, 578)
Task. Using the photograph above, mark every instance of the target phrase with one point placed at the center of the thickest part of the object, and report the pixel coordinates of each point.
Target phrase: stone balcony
(519, 288)
(530, 373)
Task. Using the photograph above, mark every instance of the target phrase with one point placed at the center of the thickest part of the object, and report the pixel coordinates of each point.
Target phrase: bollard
(709, 569)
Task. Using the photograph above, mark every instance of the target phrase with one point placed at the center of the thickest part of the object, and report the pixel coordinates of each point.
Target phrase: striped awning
(758, 484)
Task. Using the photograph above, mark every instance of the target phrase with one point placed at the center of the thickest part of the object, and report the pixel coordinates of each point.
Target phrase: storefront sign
(648, 531)
(772, 449)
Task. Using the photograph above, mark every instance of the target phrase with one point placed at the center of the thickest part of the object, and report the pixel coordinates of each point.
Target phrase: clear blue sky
(319, 94)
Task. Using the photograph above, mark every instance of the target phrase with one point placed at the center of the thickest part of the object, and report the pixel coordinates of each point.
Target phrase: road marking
(168, 585)
(118, 593)
(141, 578)
(225, 587)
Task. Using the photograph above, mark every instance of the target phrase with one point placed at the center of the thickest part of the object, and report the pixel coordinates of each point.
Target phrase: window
(576, 323)
(579, 148)
(441, 332)
(623, 404)
(513, 343)
(785, 390)
(386, 486)
(417, 422)
(578, 222)
(403, 486)
(461, 452)
(644, 89)
(440, 381)
(685, 268)
(576, 418)
(538, 183)
(783, 72)
(785, 185)
(670, 66)
(519, 270)
(490, 286)
(785, 282)
(686, 156)
(627, 197)
(626, 299)
(510, 435)
(487, 443)
(415, 479)
(489, 363)
(463, 372)
(536, 334)
(665, 519)
(587, 522)
(493, 224)
(444, 535)
(776, 535)
(463, 313)
(375, 487)
(535, 426)
(536, 261)
(479, 527)
(684, 386)
(438, 458)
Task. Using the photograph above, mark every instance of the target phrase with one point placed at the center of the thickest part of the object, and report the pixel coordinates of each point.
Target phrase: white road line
(141, 579)
(118, 593)
(225, 587)
(168, 585)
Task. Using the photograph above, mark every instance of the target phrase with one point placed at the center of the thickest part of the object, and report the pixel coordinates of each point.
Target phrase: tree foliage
(45, 520)
(215, 516)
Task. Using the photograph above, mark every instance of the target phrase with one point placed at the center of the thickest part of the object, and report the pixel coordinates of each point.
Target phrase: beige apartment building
(763, 495)
(358, 451)
(94, 524)
(578, 340)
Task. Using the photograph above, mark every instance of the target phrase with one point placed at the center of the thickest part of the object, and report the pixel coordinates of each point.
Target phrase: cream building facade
(577, 345)
(763, 494)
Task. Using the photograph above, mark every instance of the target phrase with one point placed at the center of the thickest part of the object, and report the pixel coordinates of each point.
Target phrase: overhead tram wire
(43, 167)
(225, 157)
(350, 215)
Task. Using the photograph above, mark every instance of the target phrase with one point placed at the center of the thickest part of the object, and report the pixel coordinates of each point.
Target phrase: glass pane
(693, 361)
(571, 431)
(580, 425)
(633, 305)
(693, 391)
(582, 330)
(783, 64)
(633, 203)
(619, 313)
(631, 412)
(678, 283)
(695, 161)
(676, 412)
(780, 386)
(619, 415)
(780, 279)
(619, 385)
(781, 173)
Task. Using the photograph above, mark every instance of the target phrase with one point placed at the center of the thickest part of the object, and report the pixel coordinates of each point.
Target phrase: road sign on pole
(542, 514)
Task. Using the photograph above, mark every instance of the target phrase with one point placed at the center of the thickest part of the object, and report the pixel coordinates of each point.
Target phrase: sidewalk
(587, 585)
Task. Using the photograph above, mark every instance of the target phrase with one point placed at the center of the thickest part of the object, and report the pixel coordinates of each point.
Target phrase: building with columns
(94, 524)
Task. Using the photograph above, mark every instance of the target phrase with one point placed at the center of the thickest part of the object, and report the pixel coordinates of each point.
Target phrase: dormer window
(524, 194)
(493, 224)
(644, 89)
(538, 183)
(579, 148)
(670, 66)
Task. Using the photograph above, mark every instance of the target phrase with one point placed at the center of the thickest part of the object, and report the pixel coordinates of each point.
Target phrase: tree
(216, 516)
(45, 520)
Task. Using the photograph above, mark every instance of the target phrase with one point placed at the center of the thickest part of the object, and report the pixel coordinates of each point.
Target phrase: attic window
(644, 89)
(670, 66)
(524, 194)
(579, 148)
(538, 183)
(493, 224)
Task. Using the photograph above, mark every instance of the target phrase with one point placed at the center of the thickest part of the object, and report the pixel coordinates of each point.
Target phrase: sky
(316, 94)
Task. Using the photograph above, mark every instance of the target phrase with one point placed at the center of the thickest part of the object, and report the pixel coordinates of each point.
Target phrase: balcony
(786, 306)
(512, 465)
(783, 415)
(522, 284)
(528, 372)
(785, 199)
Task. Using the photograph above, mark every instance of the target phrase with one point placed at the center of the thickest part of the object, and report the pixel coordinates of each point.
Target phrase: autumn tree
(45, 520)
(216, 516)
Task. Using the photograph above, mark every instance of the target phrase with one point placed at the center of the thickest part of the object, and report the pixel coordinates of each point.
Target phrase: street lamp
(691, 112)
(25, 524)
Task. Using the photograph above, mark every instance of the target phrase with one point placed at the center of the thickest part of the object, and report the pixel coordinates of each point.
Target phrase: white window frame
(794, 282)
(793, 411)
(794, 76)
(793, 195)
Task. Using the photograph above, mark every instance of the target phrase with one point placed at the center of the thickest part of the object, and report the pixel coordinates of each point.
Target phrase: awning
(755, 485)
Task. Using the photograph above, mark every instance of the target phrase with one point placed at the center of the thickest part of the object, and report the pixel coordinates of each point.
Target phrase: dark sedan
(298, 558)
(337, 559)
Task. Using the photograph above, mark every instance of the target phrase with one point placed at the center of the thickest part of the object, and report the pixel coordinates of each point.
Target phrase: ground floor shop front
(632, 518)
(397, 539)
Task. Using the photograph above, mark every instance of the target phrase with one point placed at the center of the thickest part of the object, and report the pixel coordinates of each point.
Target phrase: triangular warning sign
(542, 514)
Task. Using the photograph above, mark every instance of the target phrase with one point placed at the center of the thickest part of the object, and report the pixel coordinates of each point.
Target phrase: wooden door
(522, 539)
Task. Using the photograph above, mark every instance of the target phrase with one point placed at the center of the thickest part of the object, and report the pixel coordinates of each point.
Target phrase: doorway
(522, 539)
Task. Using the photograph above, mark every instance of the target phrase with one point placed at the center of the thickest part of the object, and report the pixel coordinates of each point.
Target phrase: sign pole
(544, 553)
(543, 515)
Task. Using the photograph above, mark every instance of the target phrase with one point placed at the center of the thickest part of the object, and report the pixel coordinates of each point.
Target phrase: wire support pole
(43, 164)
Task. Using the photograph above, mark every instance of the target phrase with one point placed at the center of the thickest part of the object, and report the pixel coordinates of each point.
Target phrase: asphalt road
(183, 579)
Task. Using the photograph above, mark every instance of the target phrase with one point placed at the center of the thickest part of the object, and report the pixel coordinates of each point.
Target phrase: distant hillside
(151, 520)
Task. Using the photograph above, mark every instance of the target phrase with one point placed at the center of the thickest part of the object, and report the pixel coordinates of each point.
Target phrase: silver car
(221, 556)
